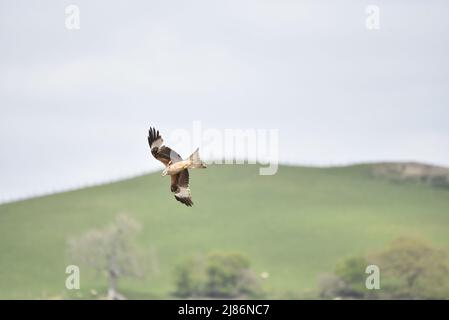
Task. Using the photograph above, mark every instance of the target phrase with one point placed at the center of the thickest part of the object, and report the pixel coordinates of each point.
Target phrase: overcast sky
(75, 105)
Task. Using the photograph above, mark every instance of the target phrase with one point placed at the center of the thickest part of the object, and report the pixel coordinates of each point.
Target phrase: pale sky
(75, 105)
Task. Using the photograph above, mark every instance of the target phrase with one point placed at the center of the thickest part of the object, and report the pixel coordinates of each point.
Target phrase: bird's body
(175, 166)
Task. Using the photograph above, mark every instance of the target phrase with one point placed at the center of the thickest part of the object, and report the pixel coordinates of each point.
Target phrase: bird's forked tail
(195, 161)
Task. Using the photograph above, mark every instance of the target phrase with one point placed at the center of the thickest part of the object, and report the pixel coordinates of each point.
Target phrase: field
(294, 225)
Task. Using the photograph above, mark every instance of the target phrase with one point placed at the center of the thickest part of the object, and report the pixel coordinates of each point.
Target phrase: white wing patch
(183, 192)
(157, 143)
(183, 195)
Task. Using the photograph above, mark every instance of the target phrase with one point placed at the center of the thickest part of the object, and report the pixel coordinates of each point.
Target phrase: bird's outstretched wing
(180, 187)
(159, 151)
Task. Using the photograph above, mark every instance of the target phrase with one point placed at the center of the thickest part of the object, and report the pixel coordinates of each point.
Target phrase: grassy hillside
(294, 225)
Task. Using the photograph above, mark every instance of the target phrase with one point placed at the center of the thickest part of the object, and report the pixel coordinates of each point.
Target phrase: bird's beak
(164, 173)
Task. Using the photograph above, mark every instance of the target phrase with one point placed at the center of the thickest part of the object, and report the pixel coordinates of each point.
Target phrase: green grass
(294, 225)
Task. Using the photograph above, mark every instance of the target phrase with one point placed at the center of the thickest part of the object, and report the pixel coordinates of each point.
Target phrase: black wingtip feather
(153, 135)
(150, 136)
(188, 202)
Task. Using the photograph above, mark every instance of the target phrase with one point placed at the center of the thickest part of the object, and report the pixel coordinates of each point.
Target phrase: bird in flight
(175, 166)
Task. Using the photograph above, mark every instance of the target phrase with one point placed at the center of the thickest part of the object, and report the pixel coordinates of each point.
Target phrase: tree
(218, 275)
(352, 272)
(190, 277)
(348, 279)
(226, 275)
(409, 269)
(111, 251)
(413, 269)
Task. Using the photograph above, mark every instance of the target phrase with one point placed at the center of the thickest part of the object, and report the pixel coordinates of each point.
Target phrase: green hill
(294, 225)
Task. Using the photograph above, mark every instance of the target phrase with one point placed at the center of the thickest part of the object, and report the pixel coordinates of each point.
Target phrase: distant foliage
(352, 272)
(190, 277)
(413, 269)
(409, 269)
(218, 275)
(110, 251)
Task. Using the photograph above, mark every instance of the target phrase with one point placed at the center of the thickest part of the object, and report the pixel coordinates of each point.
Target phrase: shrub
(218, 275)
(409, 269)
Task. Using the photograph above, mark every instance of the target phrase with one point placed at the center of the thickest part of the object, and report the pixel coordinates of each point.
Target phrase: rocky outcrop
(412, 171)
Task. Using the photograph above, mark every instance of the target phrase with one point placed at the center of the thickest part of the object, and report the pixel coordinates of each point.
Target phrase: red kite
(175, 166)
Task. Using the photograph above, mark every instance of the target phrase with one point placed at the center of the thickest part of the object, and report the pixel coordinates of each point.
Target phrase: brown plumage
(159, 151)
(175, 166)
